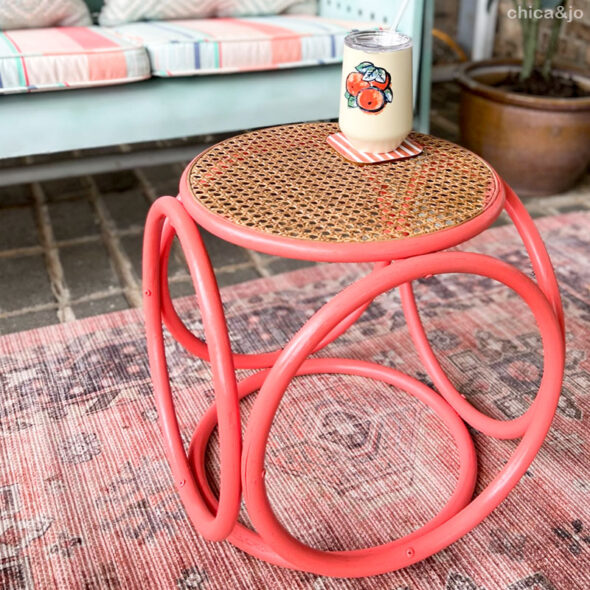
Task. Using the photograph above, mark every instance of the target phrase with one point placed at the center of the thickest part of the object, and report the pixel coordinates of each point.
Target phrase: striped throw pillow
(27, 14)
(117, 12)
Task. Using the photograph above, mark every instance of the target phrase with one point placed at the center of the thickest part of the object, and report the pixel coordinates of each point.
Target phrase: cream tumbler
(376, 92)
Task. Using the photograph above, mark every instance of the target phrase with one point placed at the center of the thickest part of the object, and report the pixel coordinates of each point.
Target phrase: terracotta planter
(541, 146)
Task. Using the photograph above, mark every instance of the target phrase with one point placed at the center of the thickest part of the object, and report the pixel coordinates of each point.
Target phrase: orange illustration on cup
(369, 88)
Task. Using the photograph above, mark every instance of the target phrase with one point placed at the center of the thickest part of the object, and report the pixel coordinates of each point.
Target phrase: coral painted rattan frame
(242, 462)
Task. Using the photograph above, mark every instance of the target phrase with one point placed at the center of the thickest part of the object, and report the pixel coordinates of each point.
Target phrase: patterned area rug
(86, 498)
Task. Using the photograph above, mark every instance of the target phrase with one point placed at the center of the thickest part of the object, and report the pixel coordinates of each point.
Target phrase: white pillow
(230, 8)
(26, 14)
(117, 12)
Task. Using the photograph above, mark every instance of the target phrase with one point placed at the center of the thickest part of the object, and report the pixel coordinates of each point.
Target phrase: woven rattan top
(287, 181)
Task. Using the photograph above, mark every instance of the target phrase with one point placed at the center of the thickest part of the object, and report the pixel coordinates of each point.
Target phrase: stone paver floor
(71, 248)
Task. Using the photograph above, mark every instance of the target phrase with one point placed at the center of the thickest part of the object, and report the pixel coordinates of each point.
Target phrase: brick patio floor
(71, 248)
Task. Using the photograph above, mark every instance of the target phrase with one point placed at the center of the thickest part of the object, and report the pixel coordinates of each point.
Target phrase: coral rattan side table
(284, 191)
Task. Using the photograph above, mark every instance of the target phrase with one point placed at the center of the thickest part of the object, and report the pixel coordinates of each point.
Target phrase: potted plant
(530, 119)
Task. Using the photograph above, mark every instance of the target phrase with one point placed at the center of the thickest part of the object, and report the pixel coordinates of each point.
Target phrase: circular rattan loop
(288, 182)
(391, 556)
(250, 541)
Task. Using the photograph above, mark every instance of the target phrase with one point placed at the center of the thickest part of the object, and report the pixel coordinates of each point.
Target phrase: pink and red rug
(86, 499)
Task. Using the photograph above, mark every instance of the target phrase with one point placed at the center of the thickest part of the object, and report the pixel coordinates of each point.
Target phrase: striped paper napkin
(407, 149)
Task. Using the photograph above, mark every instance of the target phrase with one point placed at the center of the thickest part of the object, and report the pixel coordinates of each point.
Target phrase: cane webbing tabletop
(287, 181)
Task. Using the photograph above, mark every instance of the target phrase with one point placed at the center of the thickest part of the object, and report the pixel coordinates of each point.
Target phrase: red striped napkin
(407, 149)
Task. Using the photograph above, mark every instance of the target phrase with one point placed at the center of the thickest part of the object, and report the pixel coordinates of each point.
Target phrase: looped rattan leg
(280, 544)
(177, 327)
(214, 525)
(197, 347)
(506, 429)
(542, 267)
(250, 541)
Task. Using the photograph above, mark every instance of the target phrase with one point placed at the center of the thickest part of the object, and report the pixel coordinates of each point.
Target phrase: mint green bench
(167, 108)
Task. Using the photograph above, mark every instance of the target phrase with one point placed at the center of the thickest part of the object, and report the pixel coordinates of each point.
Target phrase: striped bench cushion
(221, 45)
(68, 57)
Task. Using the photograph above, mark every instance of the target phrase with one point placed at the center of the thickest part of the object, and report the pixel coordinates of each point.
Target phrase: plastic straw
(399, 16)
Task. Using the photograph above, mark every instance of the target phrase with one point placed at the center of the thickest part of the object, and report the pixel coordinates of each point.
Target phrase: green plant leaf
(347, 94)
(352, 101)
(388, 94)
(550, 4)
(364, 66)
